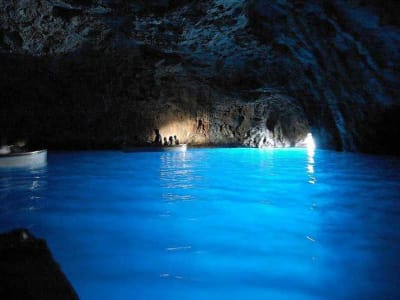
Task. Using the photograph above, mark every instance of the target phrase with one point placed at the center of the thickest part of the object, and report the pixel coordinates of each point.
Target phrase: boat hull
(24, 159)
(181, 147)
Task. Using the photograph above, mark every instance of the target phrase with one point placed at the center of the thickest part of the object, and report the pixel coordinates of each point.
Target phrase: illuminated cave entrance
(267, 123)
(308, 142)
(189, 130)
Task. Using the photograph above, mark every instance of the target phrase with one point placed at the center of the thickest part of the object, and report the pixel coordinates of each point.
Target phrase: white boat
(155, 148)
(23, 159)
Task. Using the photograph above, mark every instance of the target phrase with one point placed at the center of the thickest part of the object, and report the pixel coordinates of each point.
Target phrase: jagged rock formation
(92, 74)
(28, 270)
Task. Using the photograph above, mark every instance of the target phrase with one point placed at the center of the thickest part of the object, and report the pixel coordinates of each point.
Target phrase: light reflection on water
(215, 223)
(28, 183)
(176, 176)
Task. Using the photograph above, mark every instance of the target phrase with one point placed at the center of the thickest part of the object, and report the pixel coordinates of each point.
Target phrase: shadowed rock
(117, 69)
(66, 12)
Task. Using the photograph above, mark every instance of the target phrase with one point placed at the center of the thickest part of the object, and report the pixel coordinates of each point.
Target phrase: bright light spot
(310, 142)
(310, 238)
(310, 169)
(178, 248)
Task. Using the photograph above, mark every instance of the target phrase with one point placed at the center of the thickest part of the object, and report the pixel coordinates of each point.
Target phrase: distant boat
(155, 148)
(23, 159)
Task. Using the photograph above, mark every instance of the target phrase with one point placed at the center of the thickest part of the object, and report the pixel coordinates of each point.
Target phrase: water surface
(215, 223)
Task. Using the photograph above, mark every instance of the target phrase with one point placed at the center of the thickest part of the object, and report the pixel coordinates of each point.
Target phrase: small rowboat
(154, 148)
(23, 159)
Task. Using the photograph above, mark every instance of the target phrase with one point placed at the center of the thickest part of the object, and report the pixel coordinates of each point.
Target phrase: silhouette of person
(176, 140)
(165, 141)
(157, 139)
(171, 141)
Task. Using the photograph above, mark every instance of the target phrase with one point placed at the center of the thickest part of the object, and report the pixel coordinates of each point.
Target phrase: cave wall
(100, 74)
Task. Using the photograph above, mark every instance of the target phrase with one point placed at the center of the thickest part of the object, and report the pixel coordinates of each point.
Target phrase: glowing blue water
(215, 223)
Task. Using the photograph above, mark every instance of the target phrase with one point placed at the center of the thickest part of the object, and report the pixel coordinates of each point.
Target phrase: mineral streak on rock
(95, 74)
(28, 270)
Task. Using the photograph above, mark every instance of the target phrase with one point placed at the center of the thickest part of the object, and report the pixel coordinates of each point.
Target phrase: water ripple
(215, 223)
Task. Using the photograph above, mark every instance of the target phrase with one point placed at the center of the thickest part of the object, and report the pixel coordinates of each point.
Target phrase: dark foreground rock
(28, 270)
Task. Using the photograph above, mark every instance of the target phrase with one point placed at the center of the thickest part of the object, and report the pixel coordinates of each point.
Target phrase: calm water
(215, 223)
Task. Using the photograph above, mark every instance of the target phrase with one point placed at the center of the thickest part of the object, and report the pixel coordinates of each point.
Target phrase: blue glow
(215, 223)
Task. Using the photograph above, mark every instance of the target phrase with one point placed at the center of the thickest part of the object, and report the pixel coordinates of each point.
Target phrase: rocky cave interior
(80, 74)
(101, 74)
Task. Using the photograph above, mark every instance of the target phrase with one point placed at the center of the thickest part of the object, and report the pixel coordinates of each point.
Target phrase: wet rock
(270, 121)
(28, 270)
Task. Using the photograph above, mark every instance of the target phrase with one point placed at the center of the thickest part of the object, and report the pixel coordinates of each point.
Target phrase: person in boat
(165, 141)
(176, 140)
(171, 141)
(157, 139)
(5, 149)
(19, 146)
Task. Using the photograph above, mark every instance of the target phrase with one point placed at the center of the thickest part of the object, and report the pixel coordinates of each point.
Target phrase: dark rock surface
(28, 270)
(98, 74)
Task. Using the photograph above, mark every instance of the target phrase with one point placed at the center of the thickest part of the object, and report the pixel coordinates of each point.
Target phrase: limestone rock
(109, 72)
